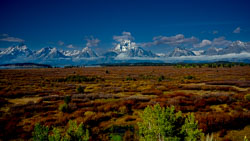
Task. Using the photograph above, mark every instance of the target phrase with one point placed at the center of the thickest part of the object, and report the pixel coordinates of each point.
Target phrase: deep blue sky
(43, 23)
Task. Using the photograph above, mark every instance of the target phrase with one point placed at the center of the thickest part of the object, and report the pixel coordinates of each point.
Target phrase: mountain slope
(129, 49)
(212, 51)
(181, 52)
(84, 53)
(236, 47)
(19, 51)
(48, 53)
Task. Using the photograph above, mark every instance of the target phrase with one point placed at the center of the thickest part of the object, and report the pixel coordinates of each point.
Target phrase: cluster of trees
(74, 132)
(77, 78)
(158, 124)
(210, 65)
(164, 124)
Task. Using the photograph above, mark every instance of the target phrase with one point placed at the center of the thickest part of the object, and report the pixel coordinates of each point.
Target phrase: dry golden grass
(215, 95)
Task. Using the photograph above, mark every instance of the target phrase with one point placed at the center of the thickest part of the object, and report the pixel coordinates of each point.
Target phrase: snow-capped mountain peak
(86, 52)
(236, 47)
(71, 53)
(198, 52)
(125, 45)
(19, 50)
(49, 53)
(238, 43)
(212, 51)
(127, 48)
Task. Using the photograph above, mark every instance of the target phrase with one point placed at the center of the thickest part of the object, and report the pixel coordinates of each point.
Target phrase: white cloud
(125, 36)
(176, 40)
(220, 42)
(226, 57)
(237, 30)
(216, 42)
(203, 43)
(12, 39)
(91, 41)
(61, 43)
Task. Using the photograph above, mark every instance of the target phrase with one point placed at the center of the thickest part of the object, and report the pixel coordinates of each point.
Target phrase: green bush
(74, 133)
(115, 137)
(64, 108)
(67, 99)
(80, 89)
(130, 78)
(56, 136)
(245, 138)
(247, 97)
(189, 77)
(165, 124)
(40, 132)
(77, 78)
(162, 77)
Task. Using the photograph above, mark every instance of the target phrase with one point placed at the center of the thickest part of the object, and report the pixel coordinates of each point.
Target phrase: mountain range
(125, 50)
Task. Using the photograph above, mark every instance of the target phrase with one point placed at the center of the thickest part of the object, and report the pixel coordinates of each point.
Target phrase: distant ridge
(124, 51)
(171, 64)
(26, 65)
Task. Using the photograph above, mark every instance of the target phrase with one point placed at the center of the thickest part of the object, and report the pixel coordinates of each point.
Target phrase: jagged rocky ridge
(125, 50)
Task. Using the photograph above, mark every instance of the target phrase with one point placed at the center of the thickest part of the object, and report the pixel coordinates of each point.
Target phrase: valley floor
(113, 97)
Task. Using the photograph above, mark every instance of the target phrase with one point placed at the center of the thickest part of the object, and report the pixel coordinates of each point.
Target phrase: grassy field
(108, 100)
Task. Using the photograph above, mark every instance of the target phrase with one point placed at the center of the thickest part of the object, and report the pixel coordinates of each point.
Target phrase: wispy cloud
(220, 42)
(176, 40)
(91, 41)
(226, 57)
(7, 38)
(125, 36)
(203, 43)
(216, 42)
(237, 30)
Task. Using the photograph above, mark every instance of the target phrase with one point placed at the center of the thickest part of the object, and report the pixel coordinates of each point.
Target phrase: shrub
(247, 97)
(76, 133)
(40, 132)
(161, 78)
(64, 107)
(73, 133)
(164, 124)
(189, 77)
(115, 137)
(80, 89)
(67, 99)
(245, 138)
(130, 78)
(107, 71)
(209, 137)
(56, 136)
(77, 78)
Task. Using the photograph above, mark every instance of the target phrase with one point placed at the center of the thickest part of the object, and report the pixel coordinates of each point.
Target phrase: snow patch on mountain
(20, 51)
(48, 53)
(181, 52)
(86, 52)
(198, 52)
(130, 49)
